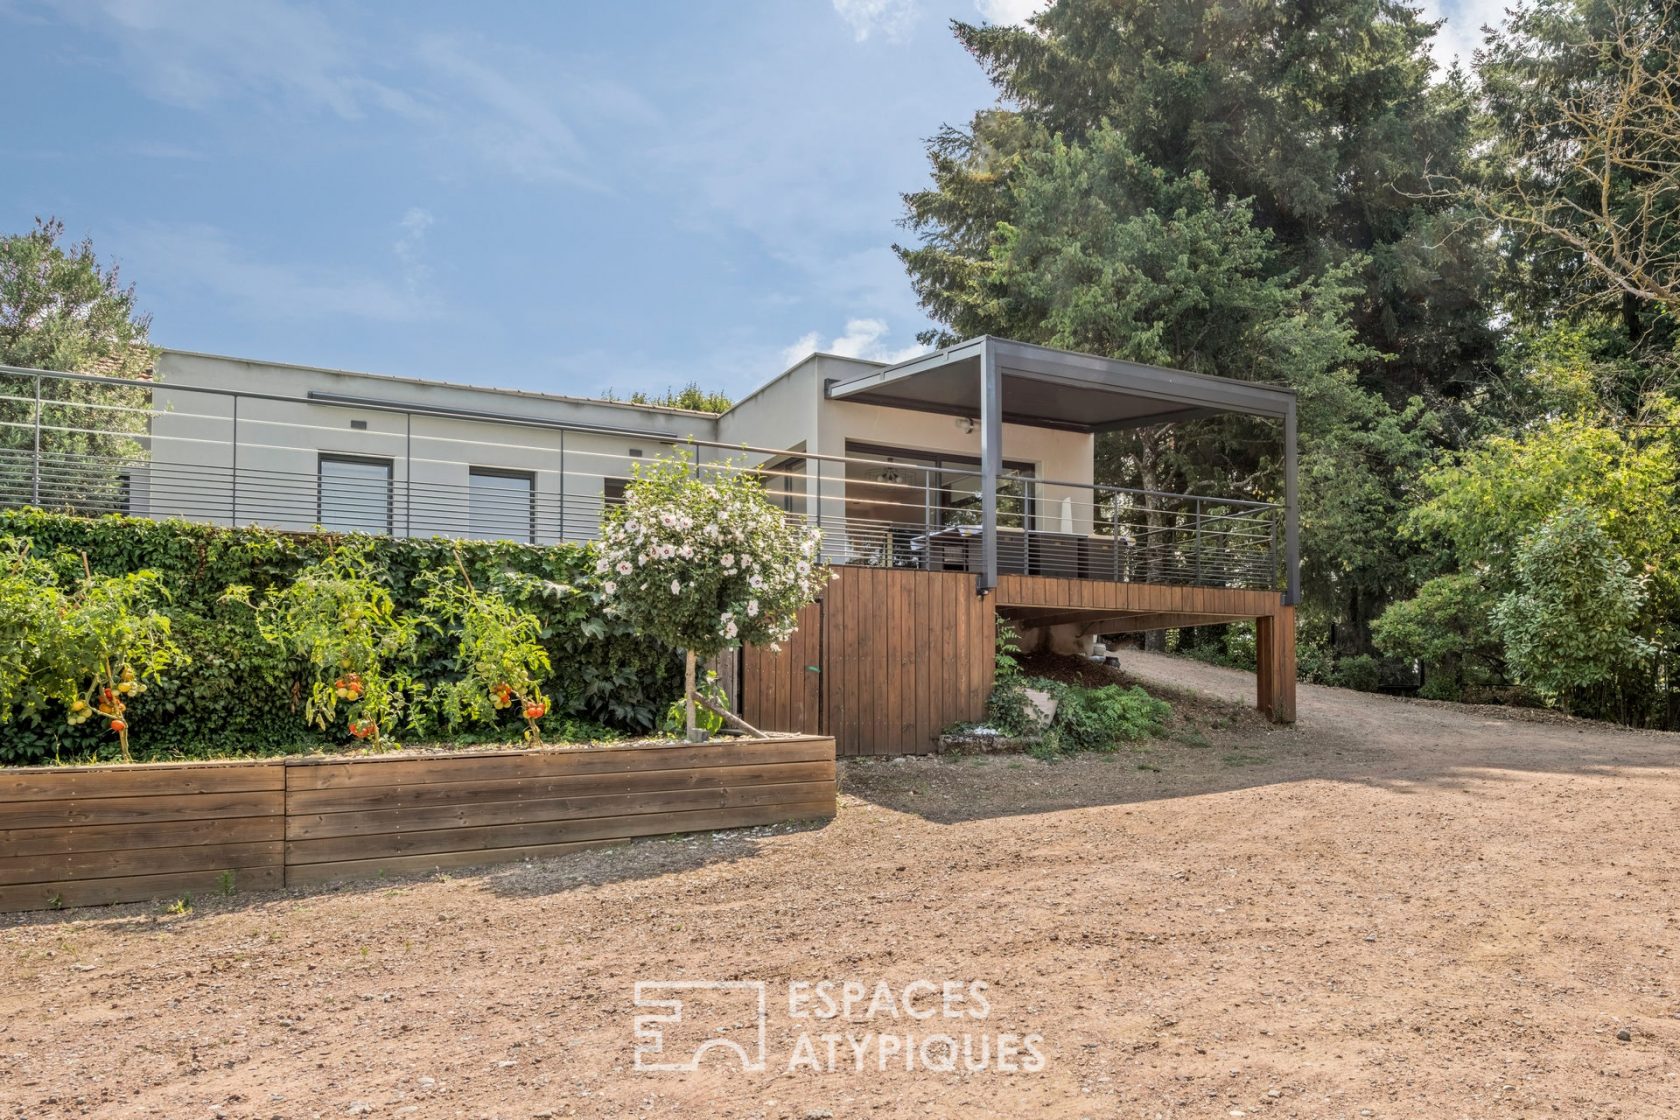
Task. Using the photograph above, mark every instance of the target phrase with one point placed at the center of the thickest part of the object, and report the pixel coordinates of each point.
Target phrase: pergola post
(1291, 511)
(991, 464)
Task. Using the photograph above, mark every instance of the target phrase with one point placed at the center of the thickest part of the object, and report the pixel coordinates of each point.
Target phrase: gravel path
(1395, 909)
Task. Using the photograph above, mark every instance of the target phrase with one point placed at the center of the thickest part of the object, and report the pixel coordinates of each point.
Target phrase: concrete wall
(281, 441)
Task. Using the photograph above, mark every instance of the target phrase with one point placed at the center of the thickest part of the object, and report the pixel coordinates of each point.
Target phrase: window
(355, 494)
(916, 486)
(501, 505)
(612, 491)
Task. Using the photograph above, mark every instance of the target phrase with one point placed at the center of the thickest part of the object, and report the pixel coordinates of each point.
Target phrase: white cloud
(863, 338)
(510, 107)
(202, 260)
(1460, 37)
(410, 247)
(1009, 11)
(886, 19)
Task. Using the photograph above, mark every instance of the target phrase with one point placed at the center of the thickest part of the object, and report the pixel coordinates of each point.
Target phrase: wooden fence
(80, 836)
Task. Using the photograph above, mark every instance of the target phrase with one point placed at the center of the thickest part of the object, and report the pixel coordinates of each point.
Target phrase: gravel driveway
(1394, 909)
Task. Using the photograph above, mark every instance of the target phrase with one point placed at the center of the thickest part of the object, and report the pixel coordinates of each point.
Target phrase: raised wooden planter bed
(80, 836)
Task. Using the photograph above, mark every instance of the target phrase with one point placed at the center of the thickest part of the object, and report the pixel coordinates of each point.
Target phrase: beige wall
(281, 441)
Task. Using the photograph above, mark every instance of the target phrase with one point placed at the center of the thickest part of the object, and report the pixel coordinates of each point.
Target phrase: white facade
(306, 445)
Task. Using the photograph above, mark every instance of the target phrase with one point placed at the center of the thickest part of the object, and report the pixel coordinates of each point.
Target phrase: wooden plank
(599, 760)
(135, 888)
(66, 783)
(343, 848)
(362, 799)
(120, 862)
(137, 810)
(380, 822)
(152, 834)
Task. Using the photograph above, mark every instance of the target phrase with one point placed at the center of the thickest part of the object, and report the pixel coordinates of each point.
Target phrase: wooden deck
(891, 657)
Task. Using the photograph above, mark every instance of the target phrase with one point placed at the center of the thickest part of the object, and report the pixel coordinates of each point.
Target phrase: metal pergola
(998, 381)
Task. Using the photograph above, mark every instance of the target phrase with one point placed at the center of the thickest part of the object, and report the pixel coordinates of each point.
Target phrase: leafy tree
(705, 564)
(1323, 116)
(1570, 622)
(60, 310)
(1582, 176)
(1504, 518)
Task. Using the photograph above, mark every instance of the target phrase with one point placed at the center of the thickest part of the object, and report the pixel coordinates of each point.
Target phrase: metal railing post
(1198, 531)
(233, 496)
(35, 471)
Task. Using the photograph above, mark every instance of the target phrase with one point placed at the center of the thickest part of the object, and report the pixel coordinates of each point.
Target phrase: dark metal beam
(991, 464)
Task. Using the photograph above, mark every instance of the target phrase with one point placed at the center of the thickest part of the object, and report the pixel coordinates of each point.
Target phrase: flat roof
(1049, 388)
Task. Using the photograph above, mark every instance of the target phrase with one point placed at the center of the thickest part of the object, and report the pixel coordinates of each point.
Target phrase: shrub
(1361, 671)
(1100, 719)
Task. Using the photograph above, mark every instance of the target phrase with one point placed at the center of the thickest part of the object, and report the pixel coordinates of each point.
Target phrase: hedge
(605, 677)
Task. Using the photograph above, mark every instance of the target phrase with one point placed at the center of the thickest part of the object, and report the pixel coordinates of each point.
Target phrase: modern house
(950, 489)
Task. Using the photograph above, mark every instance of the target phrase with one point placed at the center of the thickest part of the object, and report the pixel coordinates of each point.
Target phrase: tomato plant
(338, 618)
(498, 651)
(90, 648)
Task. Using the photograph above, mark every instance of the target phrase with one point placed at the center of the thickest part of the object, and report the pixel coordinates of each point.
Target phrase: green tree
(1570, 623)
(1323, 116)
(1581, 105)
(60, 310)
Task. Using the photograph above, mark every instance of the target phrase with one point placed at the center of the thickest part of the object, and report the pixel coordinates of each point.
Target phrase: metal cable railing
(94, 446)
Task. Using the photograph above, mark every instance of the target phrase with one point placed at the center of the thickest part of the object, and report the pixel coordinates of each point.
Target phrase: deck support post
(991, 464)
(1274, 665)
(1291, 518)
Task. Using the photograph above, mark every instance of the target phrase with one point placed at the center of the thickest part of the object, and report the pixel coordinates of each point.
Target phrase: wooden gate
(884, 663)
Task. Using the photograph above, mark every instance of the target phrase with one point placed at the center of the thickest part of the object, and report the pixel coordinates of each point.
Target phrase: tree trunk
(693, 733)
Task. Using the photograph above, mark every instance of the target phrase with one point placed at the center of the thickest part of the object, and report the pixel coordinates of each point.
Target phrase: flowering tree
(702, 561)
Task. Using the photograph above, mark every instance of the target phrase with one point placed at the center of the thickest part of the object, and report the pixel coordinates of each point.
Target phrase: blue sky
(564, 197)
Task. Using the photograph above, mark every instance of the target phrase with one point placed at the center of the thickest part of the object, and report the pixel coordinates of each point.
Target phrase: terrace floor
(1392, 909)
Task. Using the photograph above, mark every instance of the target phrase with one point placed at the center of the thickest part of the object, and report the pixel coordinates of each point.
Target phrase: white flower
(728, 559)
(756, 582)
(624, 568)
(730, 630)
(601, 565)
(802, 568)
(686, 552)
(752, 608)
(609, 587)
(775, 647)
(676, 587)
(746, 561)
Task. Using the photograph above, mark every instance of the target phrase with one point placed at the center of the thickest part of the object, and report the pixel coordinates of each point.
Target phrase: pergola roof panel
(1044, 387)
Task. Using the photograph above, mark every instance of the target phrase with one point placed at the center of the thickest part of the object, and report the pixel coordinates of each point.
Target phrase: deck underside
(890, 658)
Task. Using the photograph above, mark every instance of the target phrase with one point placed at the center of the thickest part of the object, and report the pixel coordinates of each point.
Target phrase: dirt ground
(1395, 909)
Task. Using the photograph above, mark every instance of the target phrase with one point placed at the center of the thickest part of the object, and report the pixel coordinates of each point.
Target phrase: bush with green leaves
(1100, 719)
